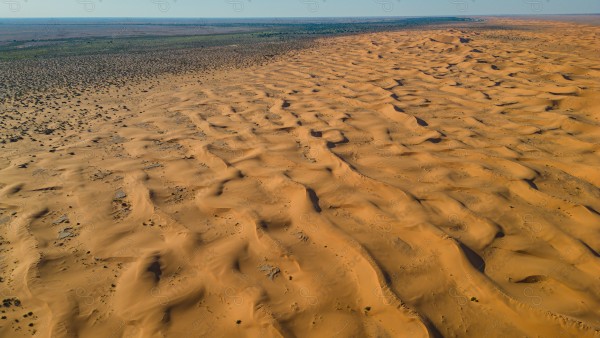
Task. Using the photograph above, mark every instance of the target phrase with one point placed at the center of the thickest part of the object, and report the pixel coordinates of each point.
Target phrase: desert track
(404, 184)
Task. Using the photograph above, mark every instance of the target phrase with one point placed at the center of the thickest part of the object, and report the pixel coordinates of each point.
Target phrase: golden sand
(402, 184)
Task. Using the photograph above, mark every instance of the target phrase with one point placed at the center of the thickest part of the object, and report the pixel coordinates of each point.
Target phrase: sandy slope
(407, 184)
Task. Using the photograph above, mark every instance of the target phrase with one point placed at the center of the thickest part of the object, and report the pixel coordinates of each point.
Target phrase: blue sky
(288, 8)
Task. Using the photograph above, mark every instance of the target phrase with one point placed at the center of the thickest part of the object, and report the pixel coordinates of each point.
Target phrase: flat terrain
(421, 182)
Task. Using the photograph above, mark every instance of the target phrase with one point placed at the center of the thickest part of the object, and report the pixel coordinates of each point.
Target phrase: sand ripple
(415, 183)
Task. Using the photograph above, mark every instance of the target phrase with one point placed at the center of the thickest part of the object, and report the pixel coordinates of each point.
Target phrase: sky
(288, 8)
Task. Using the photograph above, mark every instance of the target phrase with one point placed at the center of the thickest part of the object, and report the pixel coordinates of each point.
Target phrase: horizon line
(303, 17)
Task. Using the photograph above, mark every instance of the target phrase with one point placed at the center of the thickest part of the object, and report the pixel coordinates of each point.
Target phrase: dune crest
(405, 184)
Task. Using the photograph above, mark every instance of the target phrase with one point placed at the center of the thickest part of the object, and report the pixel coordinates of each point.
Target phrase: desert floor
(437, 182)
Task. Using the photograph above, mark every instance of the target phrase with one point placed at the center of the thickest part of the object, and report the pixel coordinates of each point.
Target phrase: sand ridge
(414, 183)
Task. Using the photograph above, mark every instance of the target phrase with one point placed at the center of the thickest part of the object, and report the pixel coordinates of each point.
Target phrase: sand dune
(403, 184)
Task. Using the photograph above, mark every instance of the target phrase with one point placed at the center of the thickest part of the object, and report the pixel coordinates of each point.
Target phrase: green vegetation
(257, 33)
(93, 46)
(101, 56)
